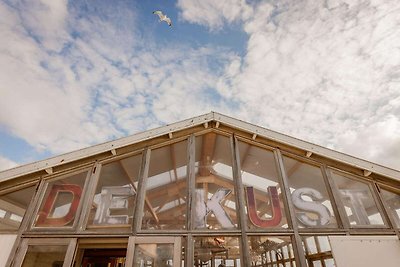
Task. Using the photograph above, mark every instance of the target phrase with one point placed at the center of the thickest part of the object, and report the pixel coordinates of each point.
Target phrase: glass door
(154, 251)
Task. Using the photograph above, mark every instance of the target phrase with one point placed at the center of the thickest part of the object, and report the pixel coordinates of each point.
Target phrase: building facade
(208, 191)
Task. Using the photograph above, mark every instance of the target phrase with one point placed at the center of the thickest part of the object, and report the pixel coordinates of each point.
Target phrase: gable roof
(217, 119)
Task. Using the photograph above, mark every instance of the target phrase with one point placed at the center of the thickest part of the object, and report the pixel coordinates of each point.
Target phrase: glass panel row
(221, 251)
(113, 196)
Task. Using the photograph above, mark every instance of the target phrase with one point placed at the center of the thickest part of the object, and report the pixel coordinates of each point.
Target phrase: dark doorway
(104, 258)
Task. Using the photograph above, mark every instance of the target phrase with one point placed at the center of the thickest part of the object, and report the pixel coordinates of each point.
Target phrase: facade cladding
(209, 191)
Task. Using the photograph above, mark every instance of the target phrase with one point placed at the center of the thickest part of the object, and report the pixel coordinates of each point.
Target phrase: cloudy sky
(81, 72)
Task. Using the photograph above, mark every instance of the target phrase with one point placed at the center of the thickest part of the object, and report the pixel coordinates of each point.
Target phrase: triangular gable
(212, 119)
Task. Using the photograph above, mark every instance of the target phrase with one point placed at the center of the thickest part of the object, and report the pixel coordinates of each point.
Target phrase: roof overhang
(111, 146)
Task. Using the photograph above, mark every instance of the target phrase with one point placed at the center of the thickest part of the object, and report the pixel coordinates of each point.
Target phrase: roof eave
(185, 124)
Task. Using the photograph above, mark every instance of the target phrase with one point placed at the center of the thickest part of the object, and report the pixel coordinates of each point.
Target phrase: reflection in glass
(318, 251)
(216, 250)
(114, 198)
(45, 256)
(61, 201)
(215, 204)
(165, 202)
(392, 201)
(156, 255)
(309, 194)
(359, 203)
(263, 190)
(270, 251)
(13, 206)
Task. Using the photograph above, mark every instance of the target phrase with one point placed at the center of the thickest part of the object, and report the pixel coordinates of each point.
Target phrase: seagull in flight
(163, 17)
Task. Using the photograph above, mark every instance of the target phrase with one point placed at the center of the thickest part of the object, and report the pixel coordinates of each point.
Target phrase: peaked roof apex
(205, 119)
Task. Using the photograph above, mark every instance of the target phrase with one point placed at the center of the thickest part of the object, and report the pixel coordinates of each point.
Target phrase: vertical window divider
(20, 255)
(39, 197)
(330, 187)
(337, 201)
(380, 205)
(81, 206)
(140, 194)
(297, 244)
(30, 212)
(70, 254)
(191, 187)
(25, 224)
(245, 255)
(130, 250)
(88, 194)
(386, 213)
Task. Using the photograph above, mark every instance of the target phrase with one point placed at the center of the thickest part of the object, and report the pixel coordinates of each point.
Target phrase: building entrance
(104, 258)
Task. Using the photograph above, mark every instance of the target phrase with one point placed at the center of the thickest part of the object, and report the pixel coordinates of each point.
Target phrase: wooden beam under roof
(147, 201)
(207, 153)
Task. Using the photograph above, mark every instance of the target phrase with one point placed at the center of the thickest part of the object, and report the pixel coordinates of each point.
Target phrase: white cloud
(214, 14)
(317, 70)
(97, 88)
(326, 72)
(6, 163)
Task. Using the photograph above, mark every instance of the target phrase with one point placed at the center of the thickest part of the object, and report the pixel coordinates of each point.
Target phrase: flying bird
(163, 17)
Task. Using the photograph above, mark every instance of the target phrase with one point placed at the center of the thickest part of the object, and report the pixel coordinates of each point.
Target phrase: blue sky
(78, 73)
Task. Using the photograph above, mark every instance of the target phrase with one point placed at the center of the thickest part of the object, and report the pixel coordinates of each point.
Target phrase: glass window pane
(61, 201)
(261, 246)
(262, 188)
(153, 255)
(359, 203)
(311, 247)
(329, 263)
(323, 243)
(392, 201)
(317, 264)
(13, 206)
(215, 204)
(45, 256)
(216, 250)
(165, 202)
(309, 194)
(318, 250)
(114, 198)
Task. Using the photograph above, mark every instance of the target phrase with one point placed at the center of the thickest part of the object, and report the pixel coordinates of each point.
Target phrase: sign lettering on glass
(311, 206)
(203, 208)
(354, 198)
(114, 199)
(47, 215)
(252, 210)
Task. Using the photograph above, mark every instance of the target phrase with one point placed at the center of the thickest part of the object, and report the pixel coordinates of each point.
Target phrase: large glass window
(45, 256)
(60, 205)
(309, 194)
(165, 200)
(215, 204)
(265, 208)
(392, 201)
(271, 251)
(358, 201)
(13, 206)
(153, 255)
(217, 251)
(114, 199)
(318, 252)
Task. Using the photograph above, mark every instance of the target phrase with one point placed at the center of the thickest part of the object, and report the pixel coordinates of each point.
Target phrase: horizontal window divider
(369, 231)
(270, 234)
(58, 235)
